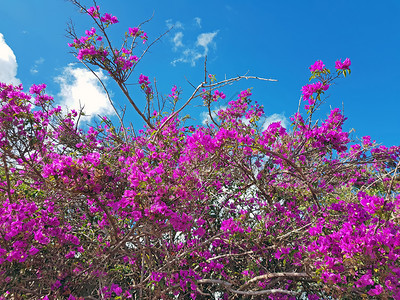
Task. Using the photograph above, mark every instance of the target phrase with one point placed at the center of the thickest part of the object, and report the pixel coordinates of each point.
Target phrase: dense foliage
(224, 211)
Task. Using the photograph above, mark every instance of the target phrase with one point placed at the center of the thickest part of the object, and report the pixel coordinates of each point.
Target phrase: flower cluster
(109, 19)
(135, 32)
(317, 66)
(319, 71)
(174, 93)
(345, 65)
(94, 11)
(310, 89)
(124, 59)
(218, 94)
(91, 47)
(145, 84)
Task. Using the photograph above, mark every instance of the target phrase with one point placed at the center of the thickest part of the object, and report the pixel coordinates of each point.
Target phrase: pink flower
(90, 32)
(370, 203)
(144, 37)
(116, 289)
(343, 65)
(376, 291)
(126, 51)
(83, 40)
(317, 66)
(364, 281)
(70, 254)
(310, 89)
(36, 89)
(33, 251)
(230, 225)
(56, 285)
(143, 79)
(94, 11)
(41, 238)
(218, 94)
(346, 63)
(133, 31)
(174, 93)
(199, 232)
(86, 51)
(108, 18)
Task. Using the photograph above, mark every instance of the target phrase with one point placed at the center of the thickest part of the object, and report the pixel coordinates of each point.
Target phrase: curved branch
(274, 275)
(228, 286)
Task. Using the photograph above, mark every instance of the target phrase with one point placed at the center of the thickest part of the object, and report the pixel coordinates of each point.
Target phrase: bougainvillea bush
(222, 211)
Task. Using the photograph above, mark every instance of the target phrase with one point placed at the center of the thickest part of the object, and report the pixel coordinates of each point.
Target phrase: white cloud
(191, 55)
(188, 56)
(8, 63)
(176, 25)
(276, 118)
(178, 40)
(206, 39)
(35, 67)
(205, 116)
(197, 21)
(190, 51)
(79, 87)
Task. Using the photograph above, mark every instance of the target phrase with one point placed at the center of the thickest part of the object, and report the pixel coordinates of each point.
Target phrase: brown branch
(294, 166)
(228, 286)
(109, 216)
(229, 255)
(274, 275)
(126, 93)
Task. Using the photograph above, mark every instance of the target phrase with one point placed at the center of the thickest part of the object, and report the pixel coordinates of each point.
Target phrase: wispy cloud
(276, 118)
(205, 116)
(197, 21)
(206, 39)
(188, 56)
(199, 50)
(35, 67)
(190, 50)
(178, 40)
(8, 63)
(176, 25)
(79, 87)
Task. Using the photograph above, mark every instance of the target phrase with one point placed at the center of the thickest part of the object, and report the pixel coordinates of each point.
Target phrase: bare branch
(228, 286)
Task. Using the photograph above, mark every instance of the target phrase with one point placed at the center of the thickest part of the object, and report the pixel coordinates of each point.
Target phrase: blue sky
(272, 39)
